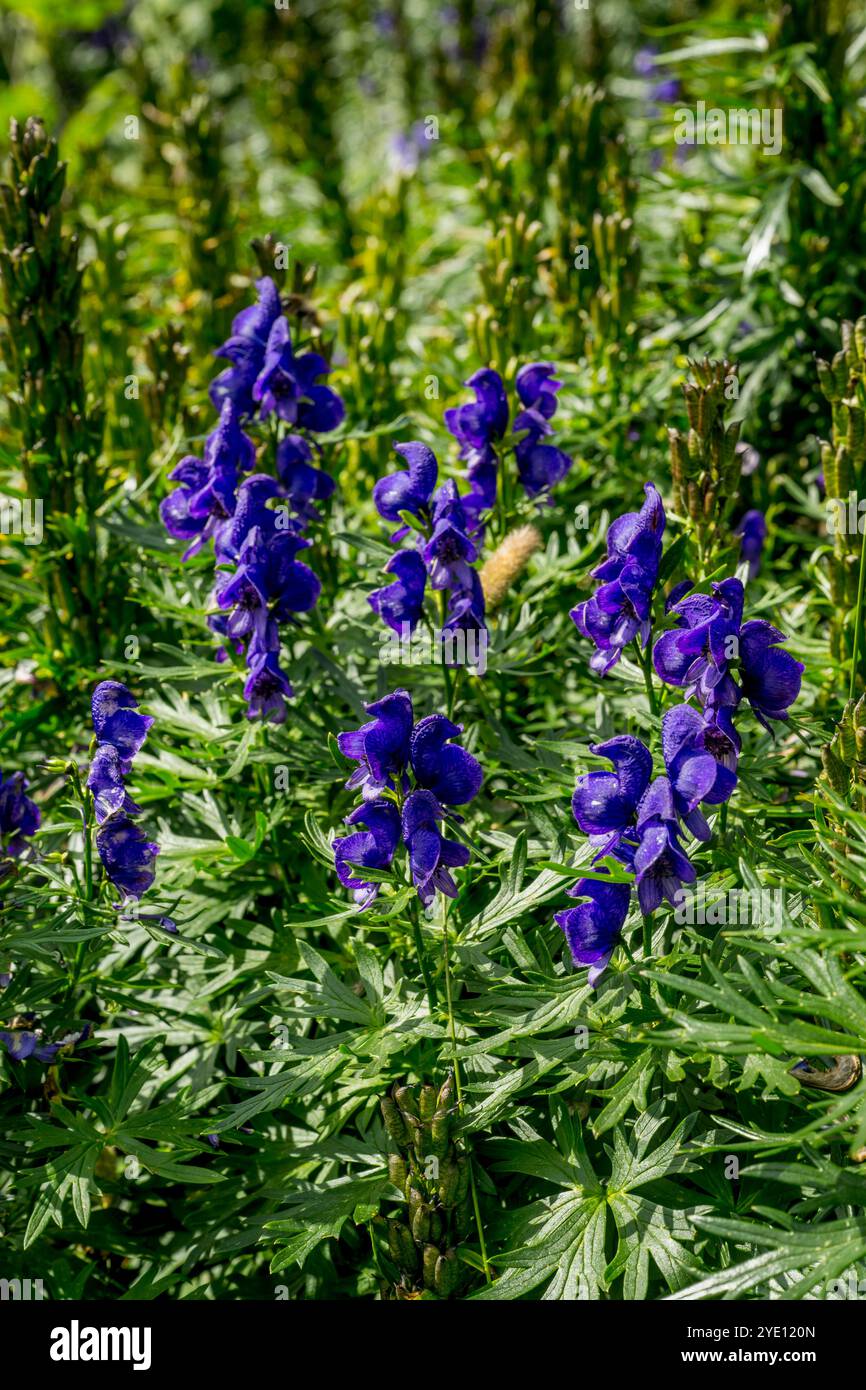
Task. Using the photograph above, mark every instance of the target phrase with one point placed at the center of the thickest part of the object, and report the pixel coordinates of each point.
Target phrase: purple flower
(409, 489)
(304, 484)
(430, 854)
(105, 780)
(408, 148)
(381, 747)
(373, 848)
(116, 720)
(267, 688)
(700, 753)
(201, 506)
(19, 816)
(245, 349)
(465, 612)
(449, 551)
(604, 803)
(661, 866)
(402, 601)
(24, 1043)
(444, 768)
(620, 610)
(540, 466)
(127, 856)
(769, 675)
(752, 530)
(476, 424)
(286, 383)
(697, 654)
(593, 929)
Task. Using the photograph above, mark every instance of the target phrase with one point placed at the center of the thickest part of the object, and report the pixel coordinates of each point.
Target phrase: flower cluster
(19, 816)
(407, 774)
(699, 655)
(256, 521)
(120, 732)
(27, 1040)
(619, 611)
(711, 655)
(443, 554)
(480, 426)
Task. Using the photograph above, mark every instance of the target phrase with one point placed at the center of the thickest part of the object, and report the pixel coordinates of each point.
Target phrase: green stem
(645, 662)
(422, 959)
(647, 937)
(456, 1065)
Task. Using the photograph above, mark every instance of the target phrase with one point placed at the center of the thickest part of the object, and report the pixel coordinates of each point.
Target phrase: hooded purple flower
(24, 1043)
(116, 720)
(446, 769)
(373, 848)
(465, 612)
(245, 349)
(541, 466)
(409, 489)
(381, 747)
(770, 676)
(430, 854)
(105, 780)
(402, 601)
(449, 551)
(19, 816)
(697, 654)
(604, 803)
(204, 501)
(304, 484)
(286, 383)
(660, 865)
(127, 856)
(700, 753)
(476, 424)
(752, 530)
(267, 688)
(620, 610)
(593, 929)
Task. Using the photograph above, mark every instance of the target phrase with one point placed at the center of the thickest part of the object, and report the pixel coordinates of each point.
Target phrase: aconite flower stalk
(705, 465)
(843, 459)
(430, 1167)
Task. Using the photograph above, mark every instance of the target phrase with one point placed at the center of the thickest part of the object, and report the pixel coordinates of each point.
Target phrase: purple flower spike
(116, 720)
(430, 854)
(381, 747)
(288, 385)
(604, 803)
(373, 848)
(402, 601)
(245, 349)
(593, 929)
(541, 466)
(446, 769)
(620, 610)
(700, 754)
(661, 866)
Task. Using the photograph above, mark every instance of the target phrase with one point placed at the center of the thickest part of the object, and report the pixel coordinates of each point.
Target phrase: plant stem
(645, 663)
(647, 937)
(456, 1065)
(422, 959)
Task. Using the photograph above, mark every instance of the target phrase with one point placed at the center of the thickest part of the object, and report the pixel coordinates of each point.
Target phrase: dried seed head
(508, 562)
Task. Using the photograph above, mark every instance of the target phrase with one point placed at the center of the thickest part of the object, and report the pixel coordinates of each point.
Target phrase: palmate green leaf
(320, 1214)
(818, 1253)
